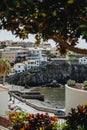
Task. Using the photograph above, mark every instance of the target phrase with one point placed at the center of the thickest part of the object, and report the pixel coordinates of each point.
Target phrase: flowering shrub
(23, 121)
(77, 118)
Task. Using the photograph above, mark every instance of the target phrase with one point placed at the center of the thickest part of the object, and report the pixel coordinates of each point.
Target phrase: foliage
(49, 54)
(33, 121)
(75, 56)
(85, 85)
(2, 46)
(17, 119)
(4, 68)
(77, 118)
(62, 126)
(71, 82)
(64, 21)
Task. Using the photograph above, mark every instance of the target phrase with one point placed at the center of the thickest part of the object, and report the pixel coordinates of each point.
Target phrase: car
(60, 112)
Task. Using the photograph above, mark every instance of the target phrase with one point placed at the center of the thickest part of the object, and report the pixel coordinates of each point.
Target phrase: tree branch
(59, 40)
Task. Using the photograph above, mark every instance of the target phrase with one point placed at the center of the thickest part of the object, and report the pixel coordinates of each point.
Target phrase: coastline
(50, 100)
(26, 105)
(46, 102)
(53, 96)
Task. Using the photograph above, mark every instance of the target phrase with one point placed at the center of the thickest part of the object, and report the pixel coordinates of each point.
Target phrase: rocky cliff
(59, 72)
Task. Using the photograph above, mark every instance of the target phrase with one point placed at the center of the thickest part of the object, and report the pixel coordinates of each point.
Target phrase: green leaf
(83, 26)
(70, 1)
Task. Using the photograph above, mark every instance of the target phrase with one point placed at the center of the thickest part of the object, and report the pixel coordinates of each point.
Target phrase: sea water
(55, 97)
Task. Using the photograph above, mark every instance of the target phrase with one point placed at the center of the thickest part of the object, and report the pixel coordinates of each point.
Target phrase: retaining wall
(40, 108)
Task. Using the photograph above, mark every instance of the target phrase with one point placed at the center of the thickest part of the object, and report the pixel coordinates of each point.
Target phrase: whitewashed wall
(3, 102)
(74, 97)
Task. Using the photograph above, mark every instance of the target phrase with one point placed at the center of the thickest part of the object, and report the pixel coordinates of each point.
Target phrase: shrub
(85, 85)
(77, 118)
(17, 119)
(71, 82)
(23, 121)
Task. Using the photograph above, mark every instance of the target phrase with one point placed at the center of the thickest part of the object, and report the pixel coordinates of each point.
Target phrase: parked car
(60, 112)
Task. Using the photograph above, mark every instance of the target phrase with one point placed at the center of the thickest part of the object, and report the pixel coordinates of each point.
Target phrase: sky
(7, 35)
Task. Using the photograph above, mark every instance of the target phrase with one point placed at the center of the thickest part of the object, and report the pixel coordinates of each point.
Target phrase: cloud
(7, 35)
(82, 44)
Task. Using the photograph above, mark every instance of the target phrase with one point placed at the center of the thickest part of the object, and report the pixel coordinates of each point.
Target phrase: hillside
(53, 71)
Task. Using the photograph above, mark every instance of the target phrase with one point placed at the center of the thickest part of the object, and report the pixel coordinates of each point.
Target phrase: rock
(54, 75)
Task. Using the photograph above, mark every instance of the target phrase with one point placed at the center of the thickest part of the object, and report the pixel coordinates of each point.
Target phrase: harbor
(31, 106)
(39, 105)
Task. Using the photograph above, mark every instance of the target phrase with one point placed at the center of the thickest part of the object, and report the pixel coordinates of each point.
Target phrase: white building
(3, 100)
(33, 63)
(35, 53)
(19, 67)
(26, 65)
(13, 48)
(11, 53)
(83, 60)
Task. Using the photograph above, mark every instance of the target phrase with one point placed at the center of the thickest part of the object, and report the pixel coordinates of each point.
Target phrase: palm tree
(4, 68)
